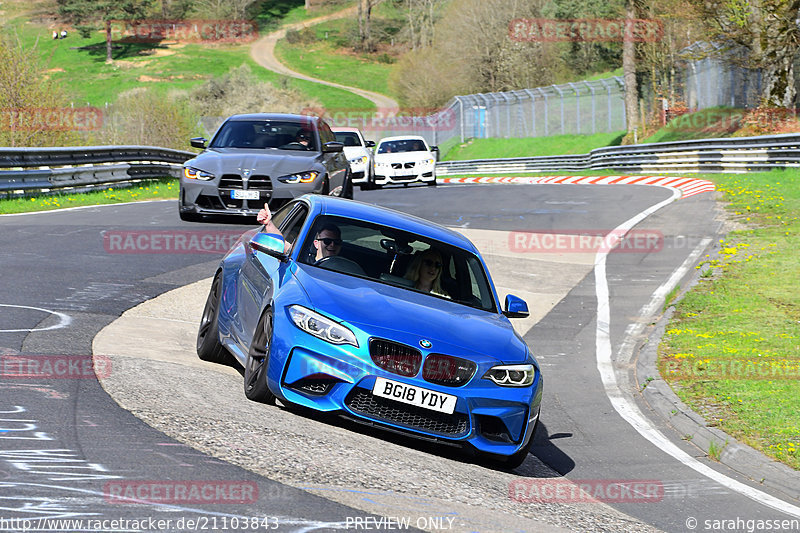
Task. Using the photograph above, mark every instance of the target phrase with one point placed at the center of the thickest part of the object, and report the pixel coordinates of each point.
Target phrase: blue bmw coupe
(380, 316)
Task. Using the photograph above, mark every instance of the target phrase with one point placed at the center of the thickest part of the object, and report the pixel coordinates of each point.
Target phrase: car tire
(208, 345)
(432, 183)
(255, 368)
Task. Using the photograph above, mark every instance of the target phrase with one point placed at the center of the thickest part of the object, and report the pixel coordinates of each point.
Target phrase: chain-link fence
(583, 107)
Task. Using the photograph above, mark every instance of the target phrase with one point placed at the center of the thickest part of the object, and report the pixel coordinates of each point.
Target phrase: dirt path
(263, 52)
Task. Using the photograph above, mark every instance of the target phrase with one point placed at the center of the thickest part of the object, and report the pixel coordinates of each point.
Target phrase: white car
(359, 154)
(405, 160)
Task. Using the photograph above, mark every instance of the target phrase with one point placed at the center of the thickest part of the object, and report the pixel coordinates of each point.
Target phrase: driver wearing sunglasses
(327, 241)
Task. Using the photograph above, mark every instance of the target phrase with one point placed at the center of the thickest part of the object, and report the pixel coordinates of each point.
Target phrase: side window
(292, 226)
(280, 215)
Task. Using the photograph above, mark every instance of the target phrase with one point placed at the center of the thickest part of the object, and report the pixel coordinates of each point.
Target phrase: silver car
(262, 158)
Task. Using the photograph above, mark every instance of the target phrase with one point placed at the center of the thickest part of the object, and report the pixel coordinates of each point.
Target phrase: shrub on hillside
(33, 111)
(144, 117)
(240, 91)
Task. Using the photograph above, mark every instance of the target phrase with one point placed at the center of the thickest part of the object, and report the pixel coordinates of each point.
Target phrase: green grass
(146, 190)
(327, 60)
(532, 146)
(277, 13)
(74, 60)
(746, 313)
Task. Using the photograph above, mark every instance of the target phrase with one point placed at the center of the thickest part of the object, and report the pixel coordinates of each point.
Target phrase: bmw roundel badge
(425, 343)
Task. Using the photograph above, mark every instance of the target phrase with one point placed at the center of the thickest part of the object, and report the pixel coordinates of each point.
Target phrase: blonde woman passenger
(425, 271)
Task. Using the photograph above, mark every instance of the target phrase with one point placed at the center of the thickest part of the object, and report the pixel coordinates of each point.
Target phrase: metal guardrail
(742, 154)
(38, 169)
(41, 169)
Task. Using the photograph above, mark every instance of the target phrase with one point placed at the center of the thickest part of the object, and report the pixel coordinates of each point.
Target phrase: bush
(145, 117)
(33, 111)
(240, 91)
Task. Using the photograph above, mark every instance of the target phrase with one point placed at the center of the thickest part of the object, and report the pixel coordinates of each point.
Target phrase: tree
(89, 14)
(629, 75)
(768, 31)
(421, 16)
(365, 43)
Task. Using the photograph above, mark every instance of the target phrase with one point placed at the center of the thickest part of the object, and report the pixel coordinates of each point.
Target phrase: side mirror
(370, 144)
(269, 243)
(198, 142)
(515, 307)
(332, 146)
(435, 152)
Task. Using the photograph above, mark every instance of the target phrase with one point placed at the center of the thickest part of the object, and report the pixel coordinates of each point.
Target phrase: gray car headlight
(321, 327)
(197, 174)
(300, 177)
(512, 375)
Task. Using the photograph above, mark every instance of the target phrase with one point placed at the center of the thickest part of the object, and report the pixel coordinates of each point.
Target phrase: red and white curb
(687, 186)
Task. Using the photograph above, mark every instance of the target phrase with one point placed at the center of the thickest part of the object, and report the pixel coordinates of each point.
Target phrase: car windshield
(402, 145)
(390, 256)
(347, 138)
(265, 134)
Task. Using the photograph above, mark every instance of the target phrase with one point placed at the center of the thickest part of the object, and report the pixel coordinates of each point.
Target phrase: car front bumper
(310, 372)
(388, 176)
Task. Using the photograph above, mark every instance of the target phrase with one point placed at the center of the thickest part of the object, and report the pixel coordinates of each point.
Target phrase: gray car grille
(229, 182)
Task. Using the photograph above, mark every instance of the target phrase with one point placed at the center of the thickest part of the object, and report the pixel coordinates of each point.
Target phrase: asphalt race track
(68, 450)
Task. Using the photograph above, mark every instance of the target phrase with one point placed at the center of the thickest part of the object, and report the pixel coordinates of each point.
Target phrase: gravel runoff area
(157, 376)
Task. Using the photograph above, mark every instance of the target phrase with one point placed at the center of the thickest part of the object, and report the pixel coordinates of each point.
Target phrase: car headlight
(300, 177)
(321, 327)
(381, 164)
(428, 161)
(359, 160)
(197, 174)
(512, 375)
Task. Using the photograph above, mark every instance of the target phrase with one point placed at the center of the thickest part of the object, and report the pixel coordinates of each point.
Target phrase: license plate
(413, 395)
(245, 195)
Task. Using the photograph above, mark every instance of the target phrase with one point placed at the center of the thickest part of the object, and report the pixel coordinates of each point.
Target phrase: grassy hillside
(163, 66)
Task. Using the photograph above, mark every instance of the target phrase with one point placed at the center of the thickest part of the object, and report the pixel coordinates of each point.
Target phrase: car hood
(407, 316)
(271, 162)
(402, 157)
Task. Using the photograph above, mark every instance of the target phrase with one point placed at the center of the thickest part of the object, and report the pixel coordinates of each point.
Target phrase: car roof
(345, 129)
(275, 116)
(403, 138)
(330, 205)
